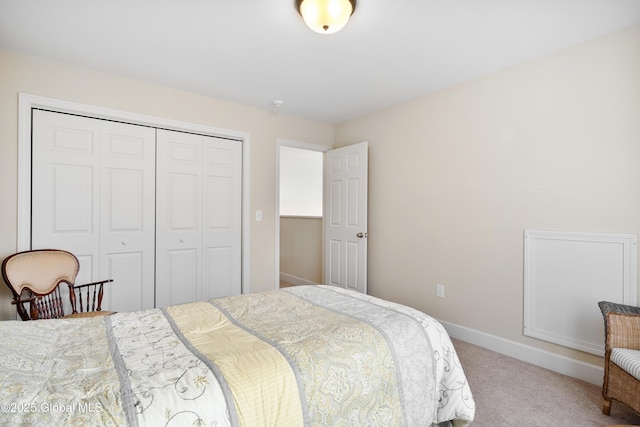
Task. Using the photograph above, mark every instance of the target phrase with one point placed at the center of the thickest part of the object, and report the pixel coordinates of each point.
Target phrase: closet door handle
(124, 243)
(181, 240)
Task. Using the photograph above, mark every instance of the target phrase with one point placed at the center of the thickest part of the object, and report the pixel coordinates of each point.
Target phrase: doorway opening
(299, 213)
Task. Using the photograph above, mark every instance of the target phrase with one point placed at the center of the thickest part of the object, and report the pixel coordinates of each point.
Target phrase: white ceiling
(257, 51)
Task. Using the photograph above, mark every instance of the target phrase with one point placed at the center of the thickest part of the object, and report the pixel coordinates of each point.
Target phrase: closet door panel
(71, 193)
(222, 229)
(127, 269)
(128, 215)
(66, 187)
(184, 267)
(183, 201)
(219, 272)
(179, 218)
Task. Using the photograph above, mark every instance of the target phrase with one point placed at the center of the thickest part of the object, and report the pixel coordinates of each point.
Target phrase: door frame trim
(27, 102)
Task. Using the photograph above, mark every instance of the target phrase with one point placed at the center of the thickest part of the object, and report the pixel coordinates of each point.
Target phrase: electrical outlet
(440, 290)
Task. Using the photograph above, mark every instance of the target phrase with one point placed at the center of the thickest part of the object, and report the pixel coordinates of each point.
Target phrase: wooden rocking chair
(39, 274)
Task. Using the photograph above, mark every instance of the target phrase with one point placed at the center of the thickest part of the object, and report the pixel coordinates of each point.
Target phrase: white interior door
(93, 195)
(198, 230)
(345, 213)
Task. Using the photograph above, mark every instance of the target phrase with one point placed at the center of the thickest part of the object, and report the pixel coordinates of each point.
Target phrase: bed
(300, 356)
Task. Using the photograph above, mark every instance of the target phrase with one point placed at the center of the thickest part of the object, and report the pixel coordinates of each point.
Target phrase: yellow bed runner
(260, 378)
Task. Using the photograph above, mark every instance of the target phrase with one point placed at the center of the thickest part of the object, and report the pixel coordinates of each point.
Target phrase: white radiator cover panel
(566, 274)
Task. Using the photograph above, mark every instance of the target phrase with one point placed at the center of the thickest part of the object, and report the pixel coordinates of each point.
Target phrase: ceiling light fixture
(325, 16)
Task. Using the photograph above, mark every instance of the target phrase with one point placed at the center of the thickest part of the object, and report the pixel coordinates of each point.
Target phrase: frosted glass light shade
(326, 16)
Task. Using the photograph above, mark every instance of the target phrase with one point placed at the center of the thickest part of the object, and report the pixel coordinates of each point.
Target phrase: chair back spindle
(100, 295)
(81, 301)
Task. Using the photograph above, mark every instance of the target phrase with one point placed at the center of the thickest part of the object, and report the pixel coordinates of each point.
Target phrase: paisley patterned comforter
(302, 356)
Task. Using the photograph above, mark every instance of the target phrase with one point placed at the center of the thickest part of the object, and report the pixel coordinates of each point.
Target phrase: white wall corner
(587, 372)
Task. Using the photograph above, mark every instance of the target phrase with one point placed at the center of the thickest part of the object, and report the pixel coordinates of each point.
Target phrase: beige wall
(455, 177)
(19, 73)
(301, 248)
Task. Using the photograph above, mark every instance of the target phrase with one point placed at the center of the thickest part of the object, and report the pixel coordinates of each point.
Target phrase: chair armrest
(623, 330)
(92, 284)
(21, 300)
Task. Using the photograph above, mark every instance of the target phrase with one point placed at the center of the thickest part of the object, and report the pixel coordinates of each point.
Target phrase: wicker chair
(622, 355)
(39, 274)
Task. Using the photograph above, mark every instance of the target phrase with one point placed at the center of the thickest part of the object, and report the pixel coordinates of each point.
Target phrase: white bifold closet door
(198, 228)
(157, 211)
(93, 194)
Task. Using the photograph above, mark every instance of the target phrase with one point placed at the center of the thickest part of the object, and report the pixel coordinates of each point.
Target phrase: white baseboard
(564, 365)
(295, 280)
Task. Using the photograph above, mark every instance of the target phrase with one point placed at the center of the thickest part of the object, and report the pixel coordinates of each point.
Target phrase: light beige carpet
(509, 392)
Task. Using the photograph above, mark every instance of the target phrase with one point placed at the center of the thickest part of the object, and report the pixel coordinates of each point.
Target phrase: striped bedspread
(301, 356)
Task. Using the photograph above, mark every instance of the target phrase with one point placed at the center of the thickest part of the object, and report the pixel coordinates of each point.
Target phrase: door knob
(361, 235)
